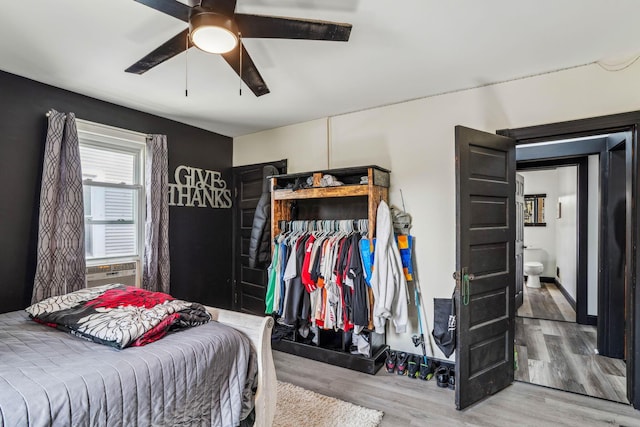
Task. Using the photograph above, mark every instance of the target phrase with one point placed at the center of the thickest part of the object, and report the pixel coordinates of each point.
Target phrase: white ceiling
(398, 51)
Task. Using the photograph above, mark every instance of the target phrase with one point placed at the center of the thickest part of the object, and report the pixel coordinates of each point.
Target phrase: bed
(190, 377)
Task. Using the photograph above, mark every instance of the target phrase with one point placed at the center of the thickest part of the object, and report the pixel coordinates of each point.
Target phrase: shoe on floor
(426, 370)
(403, 359)
(413, 366)
(442, 376)
(390, 363)
(452, 379)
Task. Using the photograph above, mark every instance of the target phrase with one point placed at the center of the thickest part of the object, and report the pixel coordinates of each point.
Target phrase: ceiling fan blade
(225, 7)
(168, 50)
(250, 74)
(275, 27)
(170, 7)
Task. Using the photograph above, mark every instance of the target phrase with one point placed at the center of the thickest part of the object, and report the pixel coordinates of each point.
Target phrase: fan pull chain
(186, 68)
(240, 50)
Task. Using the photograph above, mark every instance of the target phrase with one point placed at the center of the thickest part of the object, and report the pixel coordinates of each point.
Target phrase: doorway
(550, 243)
(628, 124)
(566, 242)
(555, 347)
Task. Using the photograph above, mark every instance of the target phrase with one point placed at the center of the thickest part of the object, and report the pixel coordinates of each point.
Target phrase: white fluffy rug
(299, 407)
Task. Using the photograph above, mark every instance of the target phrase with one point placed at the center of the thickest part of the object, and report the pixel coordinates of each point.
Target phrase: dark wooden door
(613, 223)
(485, 263)
(519, 248)
(249, 284)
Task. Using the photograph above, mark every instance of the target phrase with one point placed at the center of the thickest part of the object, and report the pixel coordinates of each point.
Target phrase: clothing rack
(326, 225)
(329, 209)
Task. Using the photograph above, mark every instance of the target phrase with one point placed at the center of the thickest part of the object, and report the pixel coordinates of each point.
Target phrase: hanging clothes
(318, 270)
(360, 295)
(388, 280)
(366, 254)
(272, 289)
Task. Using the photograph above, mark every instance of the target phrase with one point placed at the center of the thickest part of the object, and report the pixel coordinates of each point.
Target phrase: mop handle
(417, 297)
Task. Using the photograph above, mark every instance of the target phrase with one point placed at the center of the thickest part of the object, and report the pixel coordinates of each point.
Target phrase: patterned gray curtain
(60, 260)
(156, 271)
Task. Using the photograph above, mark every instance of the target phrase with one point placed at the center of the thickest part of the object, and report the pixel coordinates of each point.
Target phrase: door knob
(465, 278)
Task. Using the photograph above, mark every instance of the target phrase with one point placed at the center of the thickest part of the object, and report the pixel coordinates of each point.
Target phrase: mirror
(534, 210)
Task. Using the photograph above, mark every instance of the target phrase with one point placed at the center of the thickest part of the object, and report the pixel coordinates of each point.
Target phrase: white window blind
(113, 179)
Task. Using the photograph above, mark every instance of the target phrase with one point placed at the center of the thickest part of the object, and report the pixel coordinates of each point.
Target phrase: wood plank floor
(562, 355)
(546, 302)
(413, 402)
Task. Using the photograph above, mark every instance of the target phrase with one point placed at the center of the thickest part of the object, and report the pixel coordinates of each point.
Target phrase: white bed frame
(258, 329)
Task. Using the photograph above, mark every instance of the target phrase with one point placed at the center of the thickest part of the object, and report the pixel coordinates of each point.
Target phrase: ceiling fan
(215, 28)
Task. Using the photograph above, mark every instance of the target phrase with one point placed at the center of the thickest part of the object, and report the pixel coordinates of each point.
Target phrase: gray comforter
(196, 376)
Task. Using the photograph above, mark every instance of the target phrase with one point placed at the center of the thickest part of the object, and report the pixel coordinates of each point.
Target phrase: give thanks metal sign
(200, 188)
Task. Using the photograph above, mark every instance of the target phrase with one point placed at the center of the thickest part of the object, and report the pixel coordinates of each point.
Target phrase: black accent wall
(200, 238)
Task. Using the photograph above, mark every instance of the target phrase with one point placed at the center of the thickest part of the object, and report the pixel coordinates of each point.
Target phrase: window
(113, 184)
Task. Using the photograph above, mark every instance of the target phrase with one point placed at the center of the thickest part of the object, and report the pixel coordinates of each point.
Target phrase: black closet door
(249, 284)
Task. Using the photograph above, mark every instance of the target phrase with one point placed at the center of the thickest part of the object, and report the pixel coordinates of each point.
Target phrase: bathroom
(552, 233)
(550, 230)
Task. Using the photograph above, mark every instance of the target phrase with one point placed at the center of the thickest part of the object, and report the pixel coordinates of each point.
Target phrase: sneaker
(403, 358)
(390, 363)
(426, 371)
(414, 366)
(442, 376)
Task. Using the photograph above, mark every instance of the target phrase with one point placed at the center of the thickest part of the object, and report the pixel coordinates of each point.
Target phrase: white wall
(415, 139)
(304, 145)
(566, 229)
(592, 235)
(543, 182)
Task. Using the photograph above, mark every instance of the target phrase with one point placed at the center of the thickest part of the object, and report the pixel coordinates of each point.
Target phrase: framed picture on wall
(534, 207)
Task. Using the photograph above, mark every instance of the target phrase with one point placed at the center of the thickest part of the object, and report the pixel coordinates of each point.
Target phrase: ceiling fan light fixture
(213, 33)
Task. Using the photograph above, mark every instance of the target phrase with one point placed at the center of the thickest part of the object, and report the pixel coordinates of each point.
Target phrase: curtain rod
(103, 126)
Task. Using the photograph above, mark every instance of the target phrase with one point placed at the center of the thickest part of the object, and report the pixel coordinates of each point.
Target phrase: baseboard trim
(566, 294)
(545, 279)
(592, 320)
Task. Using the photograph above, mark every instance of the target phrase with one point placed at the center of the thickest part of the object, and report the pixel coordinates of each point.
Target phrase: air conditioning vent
(124, 273)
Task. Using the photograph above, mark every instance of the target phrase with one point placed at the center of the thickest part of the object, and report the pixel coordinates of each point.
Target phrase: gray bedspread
(193, 377)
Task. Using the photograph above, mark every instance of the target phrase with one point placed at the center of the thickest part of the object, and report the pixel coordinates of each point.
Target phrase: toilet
(533, 266)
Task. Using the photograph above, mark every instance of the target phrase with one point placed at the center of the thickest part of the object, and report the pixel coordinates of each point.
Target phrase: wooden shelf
(322, 192)
(376, 190)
